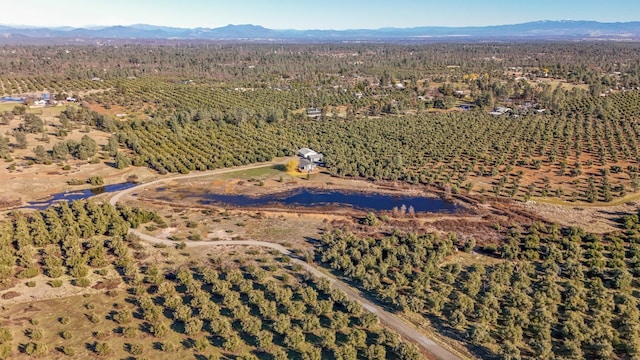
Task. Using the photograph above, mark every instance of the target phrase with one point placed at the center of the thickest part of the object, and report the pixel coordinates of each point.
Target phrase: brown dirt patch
(10, 295)
(107, 285)
(596, 219)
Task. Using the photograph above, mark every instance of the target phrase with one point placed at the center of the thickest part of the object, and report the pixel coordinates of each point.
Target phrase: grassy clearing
(615, 202)
(261, 172)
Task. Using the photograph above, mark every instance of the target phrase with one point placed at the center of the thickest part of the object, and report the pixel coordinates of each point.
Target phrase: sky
(314, 14)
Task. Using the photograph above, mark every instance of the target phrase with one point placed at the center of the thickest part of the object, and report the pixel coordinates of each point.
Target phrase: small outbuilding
(314, 112)
(308, 154)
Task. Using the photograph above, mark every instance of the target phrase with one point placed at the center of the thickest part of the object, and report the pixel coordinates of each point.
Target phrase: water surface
(336, 198)
(78, 195)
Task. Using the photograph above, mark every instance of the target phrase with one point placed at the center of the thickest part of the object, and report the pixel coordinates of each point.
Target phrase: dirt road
(394, 322)
(404, 329)
(117, 196)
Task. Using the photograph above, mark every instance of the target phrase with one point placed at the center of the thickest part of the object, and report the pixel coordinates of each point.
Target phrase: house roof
(304, 152)
(304, 163)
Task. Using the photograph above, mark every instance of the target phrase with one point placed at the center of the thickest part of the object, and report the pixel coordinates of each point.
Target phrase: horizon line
(98, 27)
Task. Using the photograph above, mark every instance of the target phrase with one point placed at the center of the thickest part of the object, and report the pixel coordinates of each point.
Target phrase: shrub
(28, 273)
(35, 334)
(66, 335)
(82, 282)
(67, 350)
(93, 318)
(96, 180)
(5, 351)
(5, 336)
(101, 348)
(75, 182)
(201, 344)
(36, 349)
(167, 347)
(123, 316)
(135, 349)
(129, 332)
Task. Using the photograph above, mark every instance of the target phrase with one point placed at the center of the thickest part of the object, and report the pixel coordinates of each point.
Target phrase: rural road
(406, 330)
(118, 195)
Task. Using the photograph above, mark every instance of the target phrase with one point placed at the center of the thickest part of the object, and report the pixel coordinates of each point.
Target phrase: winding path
(406, 330)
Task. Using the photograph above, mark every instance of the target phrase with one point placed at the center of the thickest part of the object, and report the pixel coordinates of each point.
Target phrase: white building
(310, 155)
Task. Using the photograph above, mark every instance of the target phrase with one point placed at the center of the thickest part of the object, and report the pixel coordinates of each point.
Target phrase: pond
(336, 198)
(78, 195)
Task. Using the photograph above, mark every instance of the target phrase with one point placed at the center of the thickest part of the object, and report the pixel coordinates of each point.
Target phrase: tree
(60, 151)
(264, 339)
(102, 348)
(371, 219)
(193, 326)
(121, 161)
(4, 147)
(159, 329)
(292, 165)
(112, 146)
(86, 148)
(32, 124)
(232, 342)
(294, 339)
(21, 139)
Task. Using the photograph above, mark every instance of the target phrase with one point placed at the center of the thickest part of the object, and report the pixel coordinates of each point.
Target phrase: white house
(306, 165)
(310, 155)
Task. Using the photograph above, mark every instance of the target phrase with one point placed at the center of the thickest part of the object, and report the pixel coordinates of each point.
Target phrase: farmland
(536, 146)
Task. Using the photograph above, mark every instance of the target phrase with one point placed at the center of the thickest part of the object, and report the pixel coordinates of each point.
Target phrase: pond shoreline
(311, 198)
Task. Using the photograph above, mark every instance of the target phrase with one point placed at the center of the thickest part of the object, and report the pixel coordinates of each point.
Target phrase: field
(537, 143)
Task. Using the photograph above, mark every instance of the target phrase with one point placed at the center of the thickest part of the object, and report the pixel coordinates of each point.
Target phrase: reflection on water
(78, 195)
(314, 198)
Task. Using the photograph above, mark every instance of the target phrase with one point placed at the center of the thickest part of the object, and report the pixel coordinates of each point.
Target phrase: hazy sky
(313, 14)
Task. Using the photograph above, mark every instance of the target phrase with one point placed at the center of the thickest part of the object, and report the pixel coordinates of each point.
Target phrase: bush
(35, 334)
(101, 348)
(167, 347)
(36, 349)
(93, 318)
(123, 316)
(66, 335)
(55, 283)
(75, 182)
(28, 273)
(201, 344)
(96, 180)
(135, 349)
(5, 336)
(5, 351)
(82, 282)
(67, 350)
(129, 332)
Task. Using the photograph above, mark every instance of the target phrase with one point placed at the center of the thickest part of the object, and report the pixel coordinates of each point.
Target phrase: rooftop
(304, 152)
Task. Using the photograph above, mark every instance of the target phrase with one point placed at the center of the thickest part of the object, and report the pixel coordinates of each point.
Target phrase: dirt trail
(404, 329)
(117, 196)
(394, 322)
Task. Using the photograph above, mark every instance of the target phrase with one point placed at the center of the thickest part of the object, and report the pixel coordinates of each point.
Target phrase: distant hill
(538, 30)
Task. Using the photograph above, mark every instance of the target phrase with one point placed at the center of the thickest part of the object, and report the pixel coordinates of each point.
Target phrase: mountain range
(538, 30)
